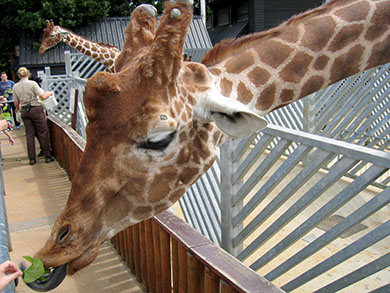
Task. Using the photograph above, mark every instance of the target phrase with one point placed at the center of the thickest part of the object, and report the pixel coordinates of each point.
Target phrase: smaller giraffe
(103, 53)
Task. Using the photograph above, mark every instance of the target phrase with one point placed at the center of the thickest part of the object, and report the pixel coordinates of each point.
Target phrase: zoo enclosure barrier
(5, 240)
(286, 215)
(165, 253)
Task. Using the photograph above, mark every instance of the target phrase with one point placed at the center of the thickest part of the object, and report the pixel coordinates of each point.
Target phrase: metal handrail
(5, 240)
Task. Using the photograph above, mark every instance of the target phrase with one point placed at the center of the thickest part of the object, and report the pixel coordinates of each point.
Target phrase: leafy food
(34, 272)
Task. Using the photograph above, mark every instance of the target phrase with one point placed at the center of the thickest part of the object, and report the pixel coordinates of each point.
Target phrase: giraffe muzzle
(53, 279)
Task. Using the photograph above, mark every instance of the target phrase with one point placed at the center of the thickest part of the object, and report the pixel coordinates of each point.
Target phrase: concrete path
(35, 195)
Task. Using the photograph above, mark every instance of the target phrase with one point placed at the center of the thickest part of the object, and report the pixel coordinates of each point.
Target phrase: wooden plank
(150, 256)
(195, 282)
(211, 281)
(157, 251)
(142, 251)
(226, 288)
(182, 257)
(175, 265)
(165, 261)
(219, 261)
(130, 252)
(136, 254)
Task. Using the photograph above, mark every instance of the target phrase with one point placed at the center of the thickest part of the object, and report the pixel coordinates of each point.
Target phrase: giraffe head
(150, 135)
(52, 35)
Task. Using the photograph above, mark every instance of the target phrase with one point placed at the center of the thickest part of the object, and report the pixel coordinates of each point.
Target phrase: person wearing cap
(26, 93)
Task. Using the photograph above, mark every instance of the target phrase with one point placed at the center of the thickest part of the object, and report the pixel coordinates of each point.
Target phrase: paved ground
(35, 195)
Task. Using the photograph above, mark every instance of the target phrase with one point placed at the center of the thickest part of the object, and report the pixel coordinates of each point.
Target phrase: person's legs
(42, 130)
(30, 133)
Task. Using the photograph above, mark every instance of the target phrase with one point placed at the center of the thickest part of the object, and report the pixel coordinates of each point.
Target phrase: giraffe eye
(62, 234)
(53, 35)
(158, 142)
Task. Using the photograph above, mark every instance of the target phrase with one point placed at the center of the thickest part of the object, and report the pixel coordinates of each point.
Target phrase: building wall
(259, 14)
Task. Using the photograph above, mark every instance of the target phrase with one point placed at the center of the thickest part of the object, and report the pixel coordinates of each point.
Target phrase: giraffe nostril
(175, 13)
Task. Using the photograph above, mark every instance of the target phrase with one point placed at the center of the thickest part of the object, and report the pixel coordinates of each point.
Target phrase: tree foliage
(31, 15)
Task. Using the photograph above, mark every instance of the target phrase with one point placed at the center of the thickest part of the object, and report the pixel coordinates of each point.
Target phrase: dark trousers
(35, 124)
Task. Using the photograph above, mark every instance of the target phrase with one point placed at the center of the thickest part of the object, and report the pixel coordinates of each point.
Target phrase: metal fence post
(228, 189)
(68, 64)
(5, 240)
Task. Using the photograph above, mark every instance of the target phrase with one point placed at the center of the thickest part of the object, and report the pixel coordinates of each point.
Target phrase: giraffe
(170, 115)
(103, 53)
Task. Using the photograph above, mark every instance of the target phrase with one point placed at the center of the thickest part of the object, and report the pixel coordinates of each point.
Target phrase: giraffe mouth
(53, 279)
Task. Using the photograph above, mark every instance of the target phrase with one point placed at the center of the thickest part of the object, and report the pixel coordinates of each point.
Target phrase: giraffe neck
(307, 53)
(100, 52)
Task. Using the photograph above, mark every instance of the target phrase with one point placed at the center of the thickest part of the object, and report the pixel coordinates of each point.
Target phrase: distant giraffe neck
(311, 52)
(102, 53)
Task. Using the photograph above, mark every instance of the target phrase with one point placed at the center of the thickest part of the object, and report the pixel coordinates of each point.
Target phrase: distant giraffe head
(52, 35)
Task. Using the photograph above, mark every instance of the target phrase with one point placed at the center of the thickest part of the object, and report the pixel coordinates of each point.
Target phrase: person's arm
(16, 106)
(4, 124)
(10, 138)
(46, 95)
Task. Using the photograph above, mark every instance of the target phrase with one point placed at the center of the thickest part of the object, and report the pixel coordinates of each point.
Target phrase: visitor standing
(26, 93)
(6, 93)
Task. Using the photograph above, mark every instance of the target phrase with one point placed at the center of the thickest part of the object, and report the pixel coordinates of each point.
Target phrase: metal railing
(5, 241)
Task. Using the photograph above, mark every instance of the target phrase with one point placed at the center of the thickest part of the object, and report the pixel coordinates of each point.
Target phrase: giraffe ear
(231, 116)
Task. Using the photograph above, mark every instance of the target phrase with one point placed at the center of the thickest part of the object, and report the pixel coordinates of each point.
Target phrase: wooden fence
(165, 253)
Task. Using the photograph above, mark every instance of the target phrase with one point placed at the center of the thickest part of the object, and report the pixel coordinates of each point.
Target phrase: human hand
(4, 124)
(8, 272)
(11, 141)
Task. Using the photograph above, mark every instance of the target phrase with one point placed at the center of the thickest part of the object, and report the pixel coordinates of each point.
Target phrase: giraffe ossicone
(167, 117)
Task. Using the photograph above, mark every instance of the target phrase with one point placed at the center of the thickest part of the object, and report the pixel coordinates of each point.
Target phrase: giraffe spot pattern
(266, 98)
(297, 68)
(321, 62)
(312, 85)
(259, 76)
(243, 94)
(273, 53)
(286, 95)
(226, 87)
(380, 53)
(318, 33)
(239, 63)
(346, 36)
(380, 24)
(355, 12)
(215, 71)
(346, 64)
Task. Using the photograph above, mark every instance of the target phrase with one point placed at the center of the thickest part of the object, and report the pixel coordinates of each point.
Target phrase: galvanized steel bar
(272, 182)
(334, 204)
(364, 272)
(349, 251)
(5, 242)
(302, 177)
(339, 147)
(253, 156)
(337, 171)
(260, 171)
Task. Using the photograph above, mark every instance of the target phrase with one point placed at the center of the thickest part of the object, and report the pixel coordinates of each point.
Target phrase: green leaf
(35, 271)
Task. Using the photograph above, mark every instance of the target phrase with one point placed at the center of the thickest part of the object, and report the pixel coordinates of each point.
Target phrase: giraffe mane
(229, 47)
(107, 45)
